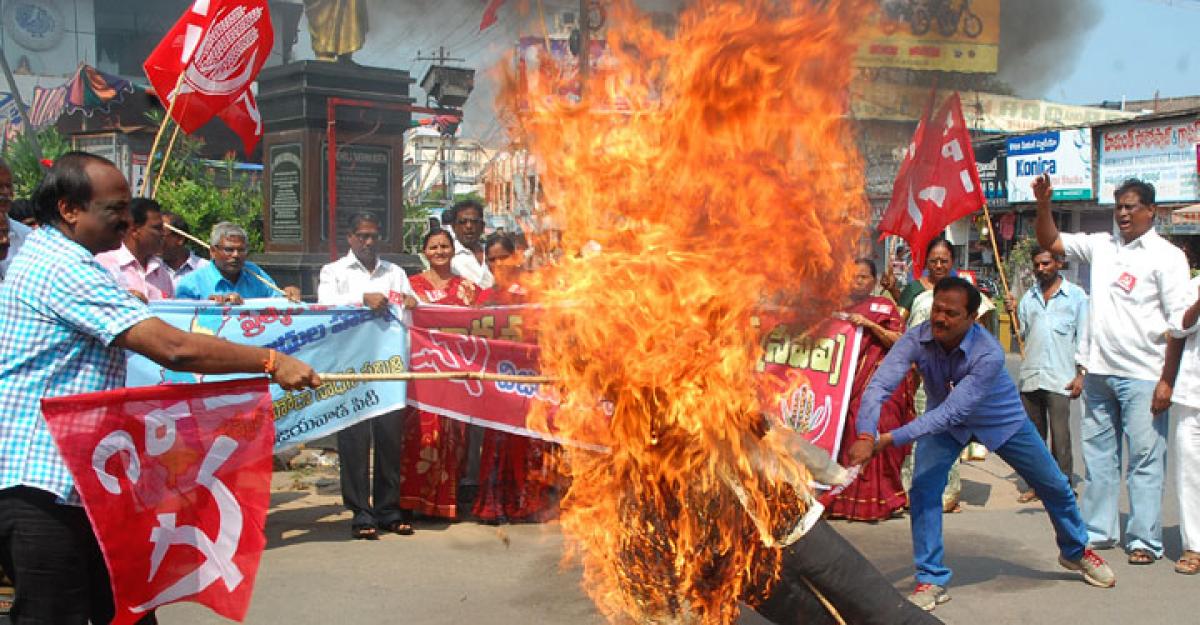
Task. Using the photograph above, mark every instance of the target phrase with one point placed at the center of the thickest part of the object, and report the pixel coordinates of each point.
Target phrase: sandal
(399, 527)
(1188, 563)
(1141, 557)
(364, 532)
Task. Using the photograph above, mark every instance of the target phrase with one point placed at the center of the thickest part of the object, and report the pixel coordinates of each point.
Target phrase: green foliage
(27, 171)
(189, 187)
(1017, 266)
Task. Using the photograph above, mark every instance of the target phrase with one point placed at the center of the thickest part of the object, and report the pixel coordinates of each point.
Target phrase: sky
(1137, 47)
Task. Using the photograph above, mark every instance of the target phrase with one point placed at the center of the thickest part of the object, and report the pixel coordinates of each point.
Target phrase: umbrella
(91, 90)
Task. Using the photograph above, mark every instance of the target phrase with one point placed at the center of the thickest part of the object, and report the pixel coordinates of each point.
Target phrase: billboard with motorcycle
(947, 35)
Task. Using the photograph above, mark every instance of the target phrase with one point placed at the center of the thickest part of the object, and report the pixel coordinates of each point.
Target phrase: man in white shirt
(469, 261)
(1182, 372)
(361, 277)
(178, 259)
(1139, 280)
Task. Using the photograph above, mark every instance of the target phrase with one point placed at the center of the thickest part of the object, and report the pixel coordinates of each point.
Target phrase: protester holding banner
(17, 231)
(64, 326)
(469, 257)
(879, 492)
(362, 278)
(136, 264)
(514, 478)
(435, 447)
(971, 397)
(226, 279)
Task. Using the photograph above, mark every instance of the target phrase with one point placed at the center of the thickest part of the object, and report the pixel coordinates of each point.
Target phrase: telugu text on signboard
(1162, 153)
(1066, 156)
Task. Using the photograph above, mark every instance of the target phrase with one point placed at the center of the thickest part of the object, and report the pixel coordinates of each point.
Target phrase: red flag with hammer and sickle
(938, 182)
(176, 481)
(212, 54)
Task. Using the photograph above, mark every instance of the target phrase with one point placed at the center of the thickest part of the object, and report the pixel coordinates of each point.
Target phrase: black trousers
(1051, 413)
(51, 554)
(855, 588)
(373, 502)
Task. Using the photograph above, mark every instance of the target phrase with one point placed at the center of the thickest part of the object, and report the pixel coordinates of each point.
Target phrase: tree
(190, 187)
(26, 170)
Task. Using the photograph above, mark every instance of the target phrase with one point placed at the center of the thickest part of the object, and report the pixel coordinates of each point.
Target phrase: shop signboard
(913, 34)
(1162, 153)
(1065, 155)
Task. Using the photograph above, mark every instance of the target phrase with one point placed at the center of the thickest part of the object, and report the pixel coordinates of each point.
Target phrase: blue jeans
(1117, 412)
(1026, 453)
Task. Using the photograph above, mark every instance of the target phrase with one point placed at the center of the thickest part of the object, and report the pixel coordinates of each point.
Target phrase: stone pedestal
(370, 153)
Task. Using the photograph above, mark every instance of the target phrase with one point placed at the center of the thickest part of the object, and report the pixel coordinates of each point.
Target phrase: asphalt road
(1003, 554)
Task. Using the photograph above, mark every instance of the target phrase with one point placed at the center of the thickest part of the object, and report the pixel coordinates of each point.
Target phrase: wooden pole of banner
(209, 248)
(174, 95)
(1012, 314)
(162, 169)
(409, 376)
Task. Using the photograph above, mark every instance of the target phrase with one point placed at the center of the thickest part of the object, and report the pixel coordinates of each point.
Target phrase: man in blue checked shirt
(970, 398)
(64, 326)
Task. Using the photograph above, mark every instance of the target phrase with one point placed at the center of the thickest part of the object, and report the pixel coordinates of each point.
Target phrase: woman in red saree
(514, 478)
(434, 447)
(878, 492)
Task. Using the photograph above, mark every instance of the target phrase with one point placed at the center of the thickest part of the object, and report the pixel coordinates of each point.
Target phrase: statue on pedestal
(338, 27)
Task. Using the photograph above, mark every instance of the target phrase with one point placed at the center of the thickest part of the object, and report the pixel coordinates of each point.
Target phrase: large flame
(707, 175)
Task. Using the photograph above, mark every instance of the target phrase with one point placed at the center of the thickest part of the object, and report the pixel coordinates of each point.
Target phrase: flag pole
(407, 376)
(30, 131)
(1012, 314)
(174, 95)
(162, 169)
(208, 247)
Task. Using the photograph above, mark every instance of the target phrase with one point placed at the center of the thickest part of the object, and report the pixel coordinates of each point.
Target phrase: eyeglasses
(467, 222)
(231, 251)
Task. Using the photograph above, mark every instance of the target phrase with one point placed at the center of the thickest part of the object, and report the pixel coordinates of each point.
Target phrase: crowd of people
(81, 259)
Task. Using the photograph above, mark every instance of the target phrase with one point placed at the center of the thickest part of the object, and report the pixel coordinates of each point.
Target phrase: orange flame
(715, 172)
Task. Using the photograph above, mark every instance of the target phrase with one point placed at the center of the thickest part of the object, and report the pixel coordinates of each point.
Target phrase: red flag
(938, 182)
(243, 118)
(218, 46)
(176, 481)
(489, 14)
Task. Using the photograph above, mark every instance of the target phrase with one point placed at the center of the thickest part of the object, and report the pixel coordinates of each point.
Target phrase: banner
(816, 368)
(945, 36)
(1065, 155)
(176, 481)
(1162, 153)
(330, 339)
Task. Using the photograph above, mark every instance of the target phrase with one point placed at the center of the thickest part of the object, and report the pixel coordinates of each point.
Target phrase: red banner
(816, 369)
(176, 481)
(810, 386)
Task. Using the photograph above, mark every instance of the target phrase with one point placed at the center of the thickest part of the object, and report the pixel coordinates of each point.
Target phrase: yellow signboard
(947, 35)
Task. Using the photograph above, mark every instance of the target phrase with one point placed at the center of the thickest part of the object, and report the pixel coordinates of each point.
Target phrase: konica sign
(1066, 156)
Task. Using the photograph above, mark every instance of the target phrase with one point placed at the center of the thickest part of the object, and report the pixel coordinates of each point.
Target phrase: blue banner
(332, 339)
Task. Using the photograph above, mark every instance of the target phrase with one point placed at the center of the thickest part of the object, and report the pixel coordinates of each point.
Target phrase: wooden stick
(435, 375)
(824, 602)
(1012, 314)
(209, 248)
(158, 136)
(162, 169)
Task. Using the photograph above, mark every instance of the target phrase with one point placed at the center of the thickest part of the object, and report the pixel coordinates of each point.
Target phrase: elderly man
(66, 327)
(136, 264)
(1053, 320)
(1138, 280)
(17, 231)
(469, 259)
(178, 259)
(227, 279)
(361, 277)
(971, 397)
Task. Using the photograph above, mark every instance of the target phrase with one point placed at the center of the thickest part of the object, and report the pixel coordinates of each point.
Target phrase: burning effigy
(703, 175)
